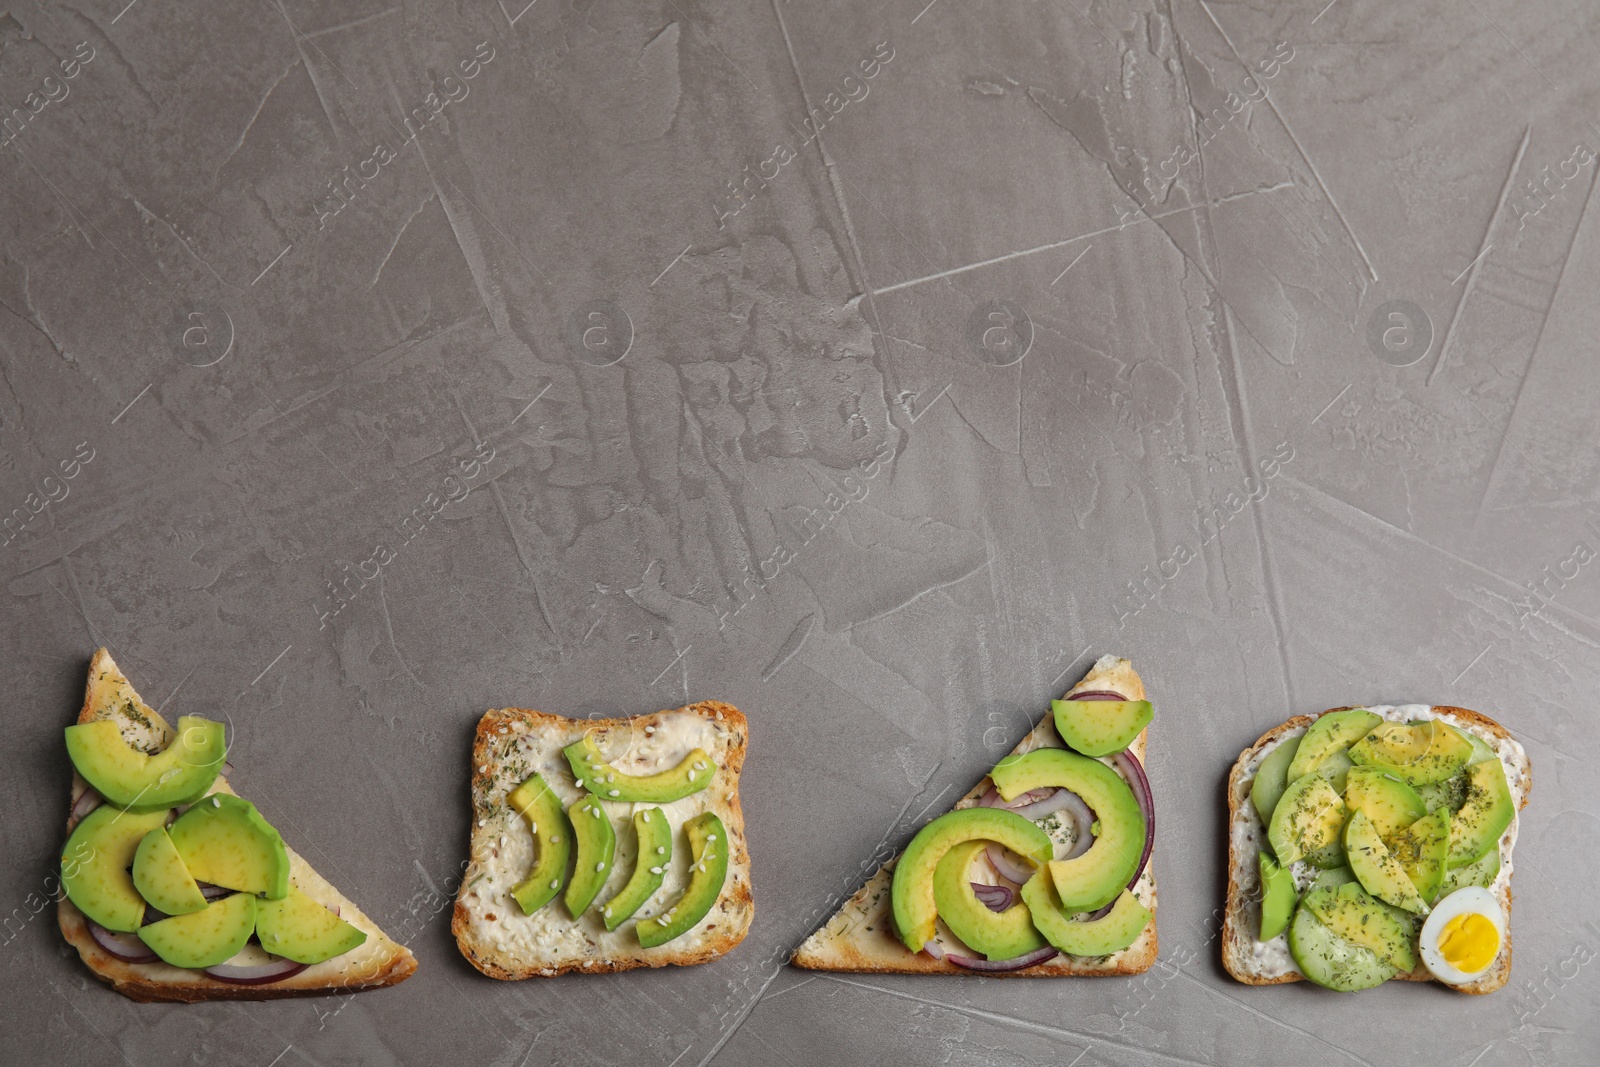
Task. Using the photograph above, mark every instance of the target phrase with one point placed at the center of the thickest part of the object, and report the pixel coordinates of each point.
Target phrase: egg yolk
(1469, 942)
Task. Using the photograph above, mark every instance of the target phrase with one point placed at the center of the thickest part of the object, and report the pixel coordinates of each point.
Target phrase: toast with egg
(1254, 962)
(511, 745)
(860, 936)
(377, 962)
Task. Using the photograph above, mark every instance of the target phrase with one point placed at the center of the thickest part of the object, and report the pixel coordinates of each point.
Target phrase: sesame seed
(216, 802)
(483, 768)
(661, 850)
(699, 765)
(691, 775)
(580, 783)
(608, 911)
(711, 837)
(656, 870)
(600, 866)
(596, 812)
(482, 821)
(555, 839)
(555, 884)
(533, 827)
(615, 793)
(649, 729)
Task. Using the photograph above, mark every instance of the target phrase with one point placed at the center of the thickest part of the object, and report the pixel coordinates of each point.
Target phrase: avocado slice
(1447, 796)
(1307, 821)
(300, 928)
(1272, 778)
(1100, 727)
(1362, 919)
(911, 892)
(178, 774)
(95, 861)
(1487, 811)
(1480, 873)
(1095, 878)
(1384, 796)
(1328, 959)
(206, 937)
(1333, 876)
(1278, 896)
(1422, 753)
(1336, 768)
(224, 840)
(998, 935)
(692, 774)
(1332, 732)
(1376, 868)
(597, 848)
(1112, 932)
(162, 879)
(708, 869)
(552, 843)
(1421, 850)
(654, 834)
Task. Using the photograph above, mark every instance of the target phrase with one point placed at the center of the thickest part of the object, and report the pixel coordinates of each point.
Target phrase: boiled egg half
(1462, 936)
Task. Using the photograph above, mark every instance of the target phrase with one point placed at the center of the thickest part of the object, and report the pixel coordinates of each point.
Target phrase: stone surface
(873, 367)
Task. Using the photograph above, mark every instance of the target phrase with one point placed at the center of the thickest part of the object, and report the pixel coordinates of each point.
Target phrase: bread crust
(736, 901)
(382, 961)
(1236, 938)
(845, 950)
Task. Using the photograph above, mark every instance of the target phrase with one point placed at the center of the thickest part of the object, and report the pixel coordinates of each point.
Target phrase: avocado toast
(1385, 850)
(1041, 870)
(177, 889)
(605, 844)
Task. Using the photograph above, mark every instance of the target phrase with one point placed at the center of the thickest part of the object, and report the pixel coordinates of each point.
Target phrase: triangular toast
(860, 936)
(377, 962)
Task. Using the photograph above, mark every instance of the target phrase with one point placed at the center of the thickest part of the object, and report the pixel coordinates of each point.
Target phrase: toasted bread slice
(1254, 962)
(377, 962)
(512, 744)
(860, 937)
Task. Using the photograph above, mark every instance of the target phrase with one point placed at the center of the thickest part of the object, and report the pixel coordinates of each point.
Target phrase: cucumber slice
(1329, 960)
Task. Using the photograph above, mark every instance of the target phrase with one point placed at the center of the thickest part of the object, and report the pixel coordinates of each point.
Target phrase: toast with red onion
(862, 936)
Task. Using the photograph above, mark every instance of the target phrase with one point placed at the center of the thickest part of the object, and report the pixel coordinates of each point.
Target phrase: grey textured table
(873, 367)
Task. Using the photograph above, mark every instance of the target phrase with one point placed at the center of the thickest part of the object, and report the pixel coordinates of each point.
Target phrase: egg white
(1467, 901)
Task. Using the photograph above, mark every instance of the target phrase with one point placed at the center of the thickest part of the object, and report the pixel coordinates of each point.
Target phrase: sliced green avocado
(1112, 932)
(224, 840)
(998, 935)
(1334, 877)
(1384, 797)
(300, 928)
(1336, 768)
(1272, 777)
(1376, 868)
(1328, 959)
(552, 839)
(911, 893)
(162, 879)
(1447, 795)
(1421, 850)
(597, 848)
(1333, 731)
(1419, 752)
(1488, 810)
(1482, 751)
(1361, 919)
(692, 774)
(1307, 821)
(1095, 878)
(1100, 727)
(708, 869)
(95, 861)
(654, 834)
(178, 774)
(1278, 896)
(204, 938)
(1481, 873)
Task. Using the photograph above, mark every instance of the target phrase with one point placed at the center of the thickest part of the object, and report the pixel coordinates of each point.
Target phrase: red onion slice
(260, 974)
(1126, 762)
(1096, 694)
(87, 801)
(1054, 801)
(994, 897)
(1016, 963)
(1082, 817)
(213, 892)
(932, 948)
(1008, 870)
(125, 947)
(1101, 913)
